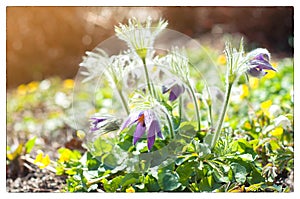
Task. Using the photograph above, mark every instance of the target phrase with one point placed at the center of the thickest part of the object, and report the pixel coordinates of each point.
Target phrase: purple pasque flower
(97, 123)
(175, 88)
(146, 121)
(258, 64)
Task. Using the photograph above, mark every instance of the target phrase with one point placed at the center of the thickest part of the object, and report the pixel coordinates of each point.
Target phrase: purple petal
(153, 128)
(262, 56)
(139, 131)
(125, 124)
(167, 85)
(256, 72)
(176, 90)
(262, 64)
(159, 134)
(132, 118)
(98, 120)
(150, 142)
(95, 123)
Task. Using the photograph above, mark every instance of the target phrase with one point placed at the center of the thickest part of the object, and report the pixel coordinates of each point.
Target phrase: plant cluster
(163, 129)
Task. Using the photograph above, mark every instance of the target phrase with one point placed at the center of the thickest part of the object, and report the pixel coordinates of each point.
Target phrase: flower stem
(222, 117)
(147, 77)
(197, 110)
(180, 108)
(169, 121)
(210, 115)
(123, 101)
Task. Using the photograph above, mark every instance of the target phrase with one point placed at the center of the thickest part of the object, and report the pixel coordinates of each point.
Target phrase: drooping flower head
(146, 121)
(104, 124)
(175, 88)
(259, 62)
(140, 37)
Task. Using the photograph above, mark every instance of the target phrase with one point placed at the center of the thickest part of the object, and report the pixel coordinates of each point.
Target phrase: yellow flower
(32, 86)
(247, 125)
(253, 82)
(68, 83)
(245, 91)
(130, 190)
(277, 132)
(38, 158)
(65, 155)
(42, 162)
(265, 106)
(271, 73)
(221, 60)
(22, 89)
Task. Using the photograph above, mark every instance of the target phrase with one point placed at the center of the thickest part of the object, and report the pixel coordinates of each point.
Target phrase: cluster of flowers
(129, 65)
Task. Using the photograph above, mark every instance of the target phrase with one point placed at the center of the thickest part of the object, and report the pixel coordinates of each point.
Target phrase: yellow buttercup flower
(42, 162)
(68, 83)
(22, 89)
(271, 73)
(247, 125)
(32, 86)
(253, 82)
(221, 60)
(130, 190)
(277, 132)
(245, 91)
(266, 105)
(65, 155)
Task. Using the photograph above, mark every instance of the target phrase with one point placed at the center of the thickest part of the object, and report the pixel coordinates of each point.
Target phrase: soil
(35, 180)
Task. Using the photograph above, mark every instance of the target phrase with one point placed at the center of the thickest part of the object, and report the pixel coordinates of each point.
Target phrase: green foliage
(252, 155)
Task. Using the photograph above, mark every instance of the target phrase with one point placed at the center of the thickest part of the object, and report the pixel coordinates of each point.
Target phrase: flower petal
(256, 72)
(176, 91)
(262, 64)
(96, 123)
(153, 128)
(139, 131)
(150, 142)
(132, 118)
(159, 134)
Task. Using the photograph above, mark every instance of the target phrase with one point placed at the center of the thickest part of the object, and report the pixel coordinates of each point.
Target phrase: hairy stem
(123, 101)
(147, 77)
(222, 117)
(197, 110)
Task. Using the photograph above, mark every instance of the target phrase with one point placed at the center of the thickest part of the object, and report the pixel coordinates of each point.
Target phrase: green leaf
(185, 170)
(30, 144)
(151, 183)
(208, 138)
(112, 185)
(255, 176)
(239, 172)
(130, 178)
(101, 147)
(168, 181)
(206, 184)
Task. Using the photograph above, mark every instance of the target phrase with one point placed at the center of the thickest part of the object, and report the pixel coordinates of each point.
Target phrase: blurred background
(50, 41)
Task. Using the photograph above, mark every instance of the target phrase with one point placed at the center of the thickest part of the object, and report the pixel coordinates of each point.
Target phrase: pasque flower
(259, 63)
(104, 124)
(138, 36)
(175, 88)
(96, 123)
(145, 121)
